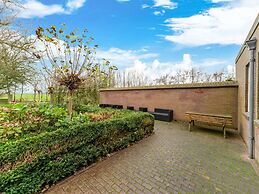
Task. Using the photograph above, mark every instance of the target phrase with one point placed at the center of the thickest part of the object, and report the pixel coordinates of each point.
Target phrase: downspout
(251, 44)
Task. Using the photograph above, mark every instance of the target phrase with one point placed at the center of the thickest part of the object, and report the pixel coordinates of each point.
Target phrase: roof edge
(248, 37)
(178, 86)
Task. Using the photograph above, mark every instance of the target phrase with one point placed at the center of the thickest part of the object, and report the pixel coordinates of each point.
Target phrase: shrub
(87, 108)
(19, 120)
(29, 164)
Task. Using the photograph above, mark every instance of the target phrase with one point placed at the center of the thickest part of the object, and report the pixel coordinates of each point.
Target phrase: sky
(154, 37)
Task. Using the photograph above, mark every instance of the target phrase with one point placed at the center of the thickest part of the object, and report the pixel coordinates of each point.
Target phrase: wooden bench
(211, 119)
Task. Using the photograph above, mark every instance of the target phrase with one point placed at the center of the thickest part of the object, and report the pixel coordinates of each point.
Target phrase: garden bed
(34, 159)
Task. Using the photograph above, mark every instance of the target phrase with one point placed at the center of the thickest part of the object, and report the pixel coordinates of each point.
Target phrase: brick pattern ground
(173, 160)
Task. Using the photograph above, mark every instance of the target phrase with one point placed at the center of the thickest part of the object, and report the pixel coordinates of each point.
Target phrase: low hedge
(30, 164)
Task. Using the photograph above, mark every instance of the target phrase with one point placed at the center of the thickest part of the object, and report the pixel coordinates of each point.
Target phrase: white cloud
(159, 6)
(154, 69)
(210, 62)
(165, 4)
(162, 12)
(138, 60)
(218, 1)
(228, 24)
(144, 6)
(231, 69)
(125, 58)
(147, 72)
(75, 4)
(147, 64)
(35, 8)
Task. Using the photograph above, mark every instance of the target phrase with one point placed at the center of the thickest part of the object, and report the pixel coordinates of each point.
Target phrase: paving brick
(173, 160)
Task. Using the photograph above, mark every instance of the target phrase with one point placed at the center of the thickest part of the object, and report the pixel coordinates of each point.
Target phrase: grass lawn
(26, 97)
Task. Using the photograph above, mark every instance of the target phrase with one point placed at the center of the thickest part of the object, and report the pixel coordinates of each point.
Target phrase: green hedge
(27, 165)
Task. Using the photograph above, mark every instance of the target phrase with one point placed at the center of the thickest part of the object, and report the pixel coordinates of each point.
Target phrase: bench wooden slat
(212, 119)
(209, 114)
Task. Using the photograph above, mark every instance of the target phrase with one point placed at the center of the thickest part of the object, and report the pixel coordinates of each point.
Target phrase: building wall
(257, 140)
(241, 62)
(217, 100)
(241, 77)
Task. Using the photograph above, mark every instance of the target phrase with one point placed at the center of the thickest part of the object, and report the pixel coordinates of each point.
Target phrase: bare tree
(193, 75)
(130, 79)
(8, 11)
(72, 57)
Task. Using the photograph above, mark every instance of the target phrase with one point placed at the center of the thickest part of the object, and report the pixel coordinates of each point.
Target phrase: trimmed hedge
(28, 165)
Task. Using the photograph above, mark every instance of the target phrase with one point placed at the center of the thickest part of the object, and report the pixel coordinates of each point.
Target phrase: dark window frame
(246, 86)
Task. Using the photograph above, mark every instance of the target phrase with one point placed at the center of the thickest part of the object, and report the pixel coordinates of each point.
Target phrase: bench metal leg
(190, 124)
(224, 131)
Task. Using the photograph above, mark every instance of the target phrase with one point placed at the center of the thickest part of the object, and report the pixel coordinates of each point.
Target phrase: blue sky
(154, 36)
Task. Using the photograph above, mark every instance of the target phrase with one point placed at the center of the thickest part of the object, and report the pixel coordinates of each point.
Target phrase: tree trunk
(14, 94)
(41, 97)
(51, 98)
(21, 94)
(10, 98)
(38, 96)
(70, 103)
(34, 97)
(46, 97)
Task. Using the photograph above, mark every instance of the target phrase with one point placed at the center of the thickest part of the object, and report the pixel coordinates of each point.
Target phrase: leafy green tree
(16, 68)
(17, 52)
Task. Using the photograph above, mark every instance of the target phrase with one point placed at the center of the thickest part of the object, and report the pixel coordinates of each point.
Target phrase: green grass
(26, 97)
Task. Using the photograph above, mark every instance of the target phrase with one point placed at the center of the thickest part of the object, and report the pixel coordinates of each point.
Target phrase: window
(246, 87)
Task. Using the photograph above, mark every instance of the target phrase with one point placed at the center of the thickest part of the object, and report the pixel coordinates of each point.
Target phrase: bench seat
(211, 119)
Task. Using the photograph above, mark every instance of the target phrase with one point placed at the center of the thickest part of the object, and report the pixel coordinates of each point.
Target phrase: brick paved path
(170, 161)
